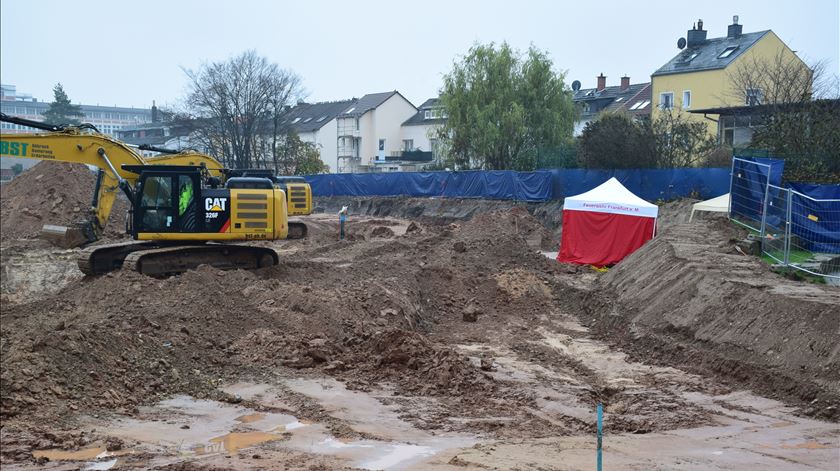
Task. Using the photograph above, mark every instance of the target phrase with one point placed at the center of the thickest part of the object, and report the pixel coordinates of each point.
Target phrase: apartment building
(369, 130)
(108, 119)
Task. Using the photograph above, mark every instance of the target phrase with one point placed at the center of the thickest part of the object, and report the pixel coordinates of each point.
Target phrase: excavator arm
(74, 145)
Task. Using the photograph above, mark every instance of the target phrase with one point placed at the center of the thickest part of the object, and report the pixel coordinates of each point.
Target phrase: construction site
(437, 334)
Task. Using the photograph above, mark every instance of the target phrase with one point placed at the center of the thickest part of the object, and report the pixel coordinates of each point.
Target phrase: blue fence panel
(815, 218)
(541, 185)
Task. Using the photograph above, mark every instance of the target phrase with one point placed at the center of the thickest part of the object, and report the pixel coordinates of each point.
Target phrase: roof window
(635, 105)
(321, 119)
(350, 110)
(727, 52)
(295, 120)
(691, 57)
(307, 120)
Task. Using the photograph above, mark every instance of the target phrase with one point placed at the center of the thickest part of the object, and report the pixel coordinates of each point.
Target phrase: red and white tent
(605, 224)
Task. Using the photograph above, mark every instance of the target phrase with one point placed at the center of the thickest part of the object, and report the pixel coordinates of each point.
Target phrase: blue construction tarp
(815, 216)
(750, 179)
(541, 185)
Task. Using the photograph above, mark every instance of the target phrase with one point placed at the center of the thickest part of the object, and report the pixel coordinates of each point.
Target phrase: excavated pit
(433, 337)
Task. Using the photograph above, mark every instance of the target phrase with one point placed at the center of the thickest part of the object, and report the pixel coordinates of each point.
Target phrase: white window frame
(759, 95)
(686, 93)
(408, 145)
(671, 101)
(427, 114)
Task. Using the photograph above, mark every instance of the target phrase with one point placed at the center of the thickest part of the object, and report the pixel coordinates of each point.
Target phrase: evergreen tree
(61, 110)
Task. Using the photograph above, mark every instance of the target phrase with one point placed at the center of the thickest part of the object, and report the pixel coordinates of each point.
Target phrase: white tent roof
(611, 197)
(716, 205)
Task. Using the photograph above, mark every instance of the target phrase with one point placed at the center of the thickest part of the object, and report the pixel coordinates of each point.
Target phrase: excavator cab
(165, 199)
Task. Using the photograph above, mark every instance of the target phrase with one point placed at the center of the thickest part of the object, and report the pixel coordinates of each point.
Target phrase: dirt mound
(689, 296)
(120, 340)
(54, 193)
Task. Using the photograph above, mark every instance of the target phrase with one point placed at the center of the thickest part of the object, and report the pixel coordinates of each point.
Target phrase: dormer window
(427, 114)
(727, 52)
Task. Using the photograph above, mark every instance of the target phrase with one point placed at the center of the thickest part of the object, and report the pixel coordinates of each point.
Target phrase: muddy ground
(422, 343)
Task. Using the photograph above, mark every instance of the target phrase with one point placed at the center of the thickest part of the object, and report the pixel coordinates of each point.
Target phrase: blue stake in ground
(600, 433)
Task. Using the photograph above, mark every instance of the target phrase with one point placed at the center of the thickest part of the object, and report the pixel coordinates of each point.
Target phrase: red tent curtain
(600, 239)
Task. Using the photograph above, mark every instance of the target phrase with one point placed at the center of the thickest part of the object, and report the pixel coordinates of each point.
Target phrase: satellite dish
(681, 43)
(576, 85)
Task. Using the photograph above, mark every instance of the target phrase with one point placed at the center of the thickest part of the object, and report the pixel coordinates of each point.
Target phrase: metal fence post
(788, 225)
(731, 184)
(764, 211)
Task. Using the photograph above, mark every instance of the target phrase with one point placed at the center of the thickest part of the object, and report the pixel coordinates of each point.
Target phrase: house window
(357, 124)
(686, 101)
(427, 114)
(666, 100)
(755, 96)
(382, 144)
(727, 52)
(408, 145)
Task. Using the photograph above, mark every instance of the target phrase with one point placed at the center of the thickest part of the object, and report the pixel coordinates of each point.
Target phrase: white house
(316, 123)
(369, 131)
(418, 135)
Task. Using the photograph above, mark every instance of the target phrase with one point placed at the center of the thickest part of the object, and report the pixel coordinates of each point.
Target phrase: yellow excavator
(186, 209)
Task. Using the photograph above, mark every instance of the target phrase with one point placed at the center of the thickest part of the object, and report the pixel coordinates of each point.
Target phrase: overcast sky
(130, 53)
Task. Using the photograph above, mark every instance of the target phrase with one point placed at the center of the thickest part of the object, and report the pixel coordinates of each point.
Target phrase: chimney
(734, 30)
(696, 35)
(602, 82)
(625, 82)
(155, 113)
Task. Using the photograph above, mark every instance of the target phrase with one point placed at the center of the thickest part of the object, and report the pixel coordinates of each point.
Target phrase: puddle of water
(296, 425)
(102, 465)
(57, 454)
(234, 441)
(212, 424)
(399, 453)
(250, 418)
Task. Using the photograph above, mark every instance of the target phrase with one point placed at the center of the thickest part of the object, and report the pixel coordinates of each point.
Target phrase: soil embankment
(690, 300)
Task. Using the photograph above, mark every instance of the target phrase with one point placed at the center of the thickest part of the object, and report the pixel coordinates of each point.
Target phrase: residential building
(735, 125)
(419, 143)
(700, 75)
(108, 119)
(316, 123)
(369, 130)
(590, 102)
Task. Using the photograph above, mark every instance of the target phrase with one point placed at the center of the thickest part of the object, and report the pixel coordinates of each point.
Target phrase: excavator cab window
(156, 211)
(168, 202)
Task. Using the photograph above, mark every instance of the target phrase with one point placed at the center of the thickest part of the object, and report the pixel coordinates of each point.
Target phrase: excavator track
(99, 259)
(166, 261)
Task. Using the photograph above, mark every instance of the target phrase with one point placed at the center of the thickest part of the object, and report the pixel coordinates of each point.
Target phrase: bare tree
(236, 106)
(800, 116)
(783, 78)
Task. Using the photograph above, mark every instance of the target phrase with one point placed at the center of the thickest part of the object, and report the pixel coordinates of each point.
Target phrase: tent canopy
(611, 197)
(605, 224)
(715, 205)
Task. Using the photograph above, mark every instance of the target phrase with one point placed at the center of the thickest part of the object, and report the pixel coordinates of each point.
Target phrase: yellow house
(702, 75)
